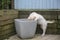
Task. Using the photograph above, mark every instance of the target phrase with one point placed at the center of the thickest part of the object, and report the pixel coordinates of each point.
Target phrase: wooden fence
(7, 27)
(53, 28)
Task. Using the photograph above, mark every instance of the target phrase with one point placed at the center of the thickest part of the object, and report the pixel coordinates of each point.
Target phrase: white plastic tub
(25, 28)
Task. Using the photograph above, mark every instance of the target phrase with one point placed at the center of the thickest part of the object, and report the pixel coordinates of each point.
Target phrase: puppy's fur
(40, 20)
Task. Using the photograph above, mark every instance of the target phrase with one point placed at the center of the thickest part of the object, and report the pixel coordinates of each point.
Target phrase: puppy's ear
(34, 18)
(29, 17)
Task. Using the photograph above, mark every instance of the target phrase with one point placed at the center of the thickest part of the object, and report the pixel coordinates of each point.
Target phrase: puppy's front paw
(43, 35)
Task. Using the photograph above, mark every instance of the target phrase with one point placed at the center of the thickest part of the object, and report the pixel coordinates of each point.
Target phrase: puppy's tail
(51, 21)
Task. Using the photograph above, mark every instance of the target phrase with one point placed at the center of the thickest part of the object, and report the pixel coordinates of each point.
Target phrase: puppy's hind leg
(44, 29)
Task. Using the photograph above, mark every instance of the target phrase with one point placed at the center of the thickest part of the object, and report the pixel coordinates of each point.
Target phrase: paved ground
(37, 37)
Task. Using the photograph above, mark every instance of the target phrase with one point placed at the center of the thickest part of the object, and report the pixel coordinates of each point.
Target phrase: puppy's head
(31, 18)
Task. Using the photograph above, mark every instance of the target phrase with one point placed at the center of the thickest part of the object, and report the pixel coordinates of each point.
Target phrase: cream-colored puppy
(40, 20)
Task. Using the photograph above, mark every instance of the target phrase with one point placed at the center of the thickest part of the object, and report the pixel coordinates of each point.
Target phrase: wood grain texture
(7, 27)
